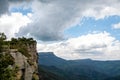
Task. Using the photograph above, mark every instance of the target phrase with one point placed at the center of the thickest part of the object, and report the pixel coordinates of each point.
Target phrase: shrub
(24, 51)
(6, 73)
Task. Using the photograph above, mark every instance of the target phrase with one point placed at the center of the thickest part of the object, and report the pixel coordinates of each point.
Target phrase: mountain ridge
(94, 70)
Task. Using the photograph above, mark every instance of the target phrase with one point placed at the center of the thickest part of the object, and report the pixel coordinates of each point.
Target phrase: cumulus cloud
(10, 24)
(99, 46)
(50, 20)
(116, 26)
(52, 17)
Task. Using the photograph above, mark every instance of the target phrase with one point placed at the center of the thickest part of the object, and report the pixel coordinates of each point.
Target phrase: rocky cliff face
(18, 59)
(27, 66)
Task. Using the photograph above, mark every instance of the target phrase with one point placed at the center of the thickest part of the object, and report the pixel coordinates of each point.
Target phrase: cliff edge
(28, 66)
(25, 59)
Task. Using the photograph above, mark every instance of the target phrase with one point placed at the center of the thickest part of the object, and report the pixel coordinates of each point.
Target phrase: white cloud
(102, 12)
(100, 46)
(116, 26)
(51, 18)
(10, 24)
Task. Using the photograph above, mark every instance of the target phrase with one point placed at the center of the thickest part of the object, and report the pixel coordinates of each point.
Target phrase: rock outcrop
(27, 66)
(18, 59)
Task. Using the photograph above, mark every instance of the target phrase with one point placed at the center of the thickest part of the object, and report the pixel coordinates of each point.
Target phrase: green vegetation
(0, 46)
(35, 76)
(2, 38)
(20, 44)
(54, 68)
(8, 70)
(49, 75)
(24, 51)
(6, 73)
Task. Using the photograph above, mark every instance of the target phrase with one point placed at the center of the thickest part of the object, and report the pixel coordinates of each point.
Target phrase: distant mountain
(85, 69)
(108, 67)
(49, 59)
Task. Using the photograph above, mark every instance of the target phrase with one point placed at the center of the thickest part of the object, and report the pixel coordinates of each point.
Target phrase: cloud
(52, 18)
(116, 26)
(99, 46)
(5, 5)
(10, 24)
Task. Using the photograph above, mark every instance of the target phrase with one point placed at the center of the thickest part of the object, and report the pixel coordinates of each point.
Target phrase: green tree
(2, 37)
(0, 46)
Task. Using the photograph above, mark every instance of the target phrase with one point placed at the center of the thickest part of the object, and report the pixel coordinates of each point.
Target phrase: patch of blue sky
(22, 10)
(90, 25)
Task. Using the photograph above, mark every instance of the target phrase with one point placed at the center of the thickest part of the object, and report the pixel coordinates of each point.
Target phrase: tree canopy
(2, 36)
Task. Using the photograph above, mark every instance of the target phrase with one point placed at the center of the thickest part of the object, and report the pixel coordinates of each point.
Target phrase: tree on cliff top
(2, 38)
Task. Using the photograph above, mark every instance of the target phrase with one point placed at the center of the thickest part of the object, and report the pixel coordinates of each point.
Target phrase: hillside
(50, 59)
(85, 69)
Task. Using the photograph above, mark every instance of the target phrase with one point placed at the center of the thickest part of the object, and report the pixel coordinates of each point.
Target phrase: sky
(72, 29)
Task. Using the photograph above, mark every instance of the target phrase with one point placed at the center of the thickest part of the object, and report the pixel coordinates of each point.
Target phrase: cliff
(27, 65)
(25, 58)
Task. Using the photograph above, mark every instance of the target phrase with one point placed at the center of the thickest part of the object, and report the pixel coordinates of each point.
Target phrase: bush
(6, 73)
(24, 51)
